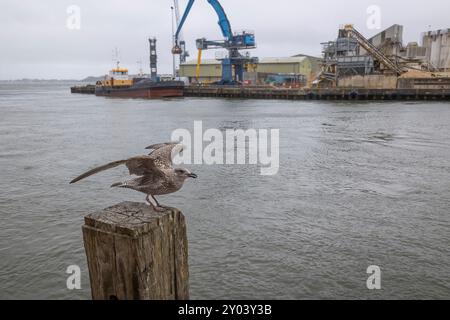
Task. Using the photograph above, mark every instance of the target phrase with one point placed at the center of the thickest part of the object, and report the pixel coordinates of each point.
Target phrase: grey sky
(35, 42)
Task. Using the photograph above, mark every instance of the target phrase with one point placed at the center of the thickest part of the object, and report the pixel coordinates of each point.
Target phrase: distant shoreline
(90, 79)
(41, 81)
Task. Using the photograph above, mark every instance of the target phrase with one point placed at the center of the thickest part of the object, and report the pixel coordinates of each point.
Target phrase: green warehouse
(211, 70)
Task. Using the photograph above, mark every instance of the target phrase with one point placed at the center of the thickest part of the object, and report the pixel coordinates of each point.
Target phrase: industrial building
(389, 41)
(432, 55)
(437, 44)
(211, 70)
(383, 62)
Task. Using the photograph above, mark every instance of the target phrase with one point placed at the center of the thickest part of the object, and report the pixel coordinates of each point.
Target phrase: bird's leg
(159, 205)
(154, 203)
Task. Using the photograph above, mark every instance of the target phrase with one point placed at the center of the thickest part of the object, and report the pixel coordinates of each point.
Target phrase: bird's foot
(155, 204)
(159, 209)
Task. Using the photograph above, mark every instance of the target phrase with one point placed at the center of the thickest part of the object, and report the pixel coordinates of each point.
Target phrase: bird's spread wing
(164, 153)
(140, 166)
(98, 170)
(161, 145)
(144, 166)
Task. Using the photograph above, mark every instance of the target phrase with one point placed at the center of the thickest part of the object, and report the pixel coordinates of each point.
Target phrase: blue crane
(182, 44)
(233, 42)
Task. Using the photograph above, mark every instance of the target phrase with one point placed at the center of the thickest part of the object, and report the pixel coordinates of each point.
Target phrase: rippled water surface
(359, 184)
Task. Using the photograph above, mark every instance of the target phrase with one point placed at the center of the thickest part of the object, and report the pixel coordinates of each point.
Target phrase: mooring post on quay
(136, 253)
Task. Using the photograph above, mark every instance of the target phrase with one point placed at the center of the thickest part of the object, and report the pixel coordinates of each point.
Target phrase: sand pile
(424, 74)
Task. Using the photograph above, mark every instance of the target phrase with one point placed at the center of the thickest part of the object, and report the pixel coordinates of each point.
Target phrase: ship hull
(145, 91)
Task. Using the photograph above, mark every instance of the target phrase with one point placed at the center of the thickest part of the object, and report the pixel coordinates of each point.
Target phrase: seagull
(155, 173)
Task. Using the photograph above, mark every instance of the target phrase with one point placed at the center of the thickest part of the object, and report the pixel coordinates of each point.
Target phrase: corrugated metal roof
(261, 61)
(283, 60)
(204, 62)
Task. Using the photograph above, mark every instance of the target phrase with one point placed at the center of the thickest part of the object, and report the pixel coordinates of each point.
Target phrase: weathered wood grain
(135, 253)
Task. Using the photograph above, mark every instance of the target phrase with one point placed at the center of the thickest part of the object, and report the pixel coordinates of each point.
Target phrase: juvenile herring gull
(156, 174)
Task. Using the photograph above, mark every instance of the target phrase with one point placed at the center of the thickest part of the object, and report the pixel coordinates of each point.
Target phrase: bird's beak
(193, 176)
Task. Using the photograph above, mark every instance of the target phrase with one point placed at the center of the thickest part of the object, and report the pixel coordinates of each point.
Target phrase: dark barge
(144, 89)
(88, 89)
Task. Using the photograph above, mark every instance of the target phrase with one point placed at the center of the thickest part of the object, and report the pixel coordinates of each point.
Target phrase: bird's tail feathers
(119, 185)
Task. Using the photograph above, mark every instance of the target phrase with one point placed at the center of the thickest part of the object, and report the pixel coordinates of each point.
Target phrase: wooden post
(135, 253)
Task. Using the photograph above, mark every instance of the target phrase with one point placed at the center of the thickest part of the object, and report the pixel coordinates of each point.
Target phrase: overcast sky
(36, 42)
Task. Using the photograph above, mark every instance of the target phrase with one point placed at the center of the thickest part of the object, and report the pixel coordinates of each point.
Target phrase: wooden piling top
(136, 253)
(128, 218)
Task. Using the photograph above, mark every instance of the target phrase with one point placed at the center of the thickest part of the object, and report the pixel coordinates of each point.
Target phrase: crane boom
(179, 43)
(224, 23)
(235, 62)
(177, 16)
(183, 19)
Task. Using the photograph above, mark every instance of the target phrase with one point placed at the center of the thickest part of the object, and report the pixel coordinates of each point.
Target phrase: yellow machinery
(199, 62)
(117, 77)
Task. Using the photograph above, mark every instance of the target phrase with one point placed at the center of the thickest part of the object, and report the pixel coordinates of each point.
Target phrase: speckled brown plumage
(156, 174)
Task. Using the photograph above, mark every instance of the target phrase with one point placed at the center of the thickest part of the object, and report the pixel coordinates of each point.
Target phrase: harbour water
(360, 184)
